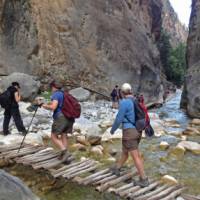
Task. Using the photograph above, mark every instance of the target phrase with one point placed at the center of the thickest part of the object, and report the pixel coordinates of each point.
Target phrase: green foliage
(173, 59)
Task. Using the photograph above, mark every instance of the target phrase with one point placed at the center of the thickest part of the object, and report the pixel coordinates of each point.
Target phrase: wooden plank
(4, 154)
(133, 189)
(153, 193)
(125, 193)
(174, 194)
(37, 157)
(189, 197)
(88, 179)
(78, 169)
(23, 153)
(104, 180)
(120, 189)
(40, 159)
(98, 178)
(144, 190)
(164, 193)
(92, 168)
(15, 151)
(9, 148)
(54, 172)
(125, 177)
(73, 169)
(47, 164)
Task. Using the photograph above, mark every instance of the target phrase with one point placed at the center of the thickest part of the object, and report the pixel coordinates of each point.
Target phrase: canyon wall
(191, 94)
(92, 43)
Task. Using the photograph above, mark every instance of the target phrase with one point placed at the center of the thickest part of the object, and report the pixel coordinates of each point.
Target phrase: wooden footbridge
(90, 172)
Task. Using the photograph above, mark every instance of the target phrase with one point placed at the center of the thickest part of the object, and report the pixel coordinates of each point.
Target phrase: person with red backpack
(61, 124)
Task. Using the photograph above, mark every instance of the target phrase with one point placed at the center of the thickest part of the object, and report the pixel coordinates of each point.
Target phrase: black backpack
(5, 99)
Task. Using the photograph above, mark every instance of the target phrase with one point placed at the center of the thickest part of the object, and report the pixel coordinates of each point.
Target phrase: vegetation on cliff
(173, 59)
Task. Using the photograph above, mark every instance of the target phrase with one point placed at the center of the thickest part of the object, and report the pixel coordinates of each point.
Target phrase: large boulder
(13, 188)
(194, 147)
(80, 94)
(29, 84)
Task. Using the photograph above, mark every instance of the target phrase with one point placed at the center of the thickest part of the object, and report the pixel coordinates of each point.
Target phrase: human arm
(119, 118)
(17, 96)
(51, 106)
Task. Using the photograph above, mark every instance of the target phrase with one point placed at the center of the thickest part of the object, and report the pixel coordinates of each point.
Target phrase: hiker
(61, 125)
(115, 97)
(131, 137)
(12, 110)
(141, 99)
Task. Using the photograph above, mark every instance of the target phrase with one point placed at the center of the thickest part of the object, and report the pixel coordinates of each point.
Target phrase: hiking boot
(6, 133)
(115, 170)
(65, 156)
(141, 182)
(23, 132)
(61, 155)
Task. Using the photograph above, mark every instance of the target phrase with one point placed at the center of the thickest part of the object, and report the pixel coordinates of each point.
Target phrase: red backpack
(71, 107)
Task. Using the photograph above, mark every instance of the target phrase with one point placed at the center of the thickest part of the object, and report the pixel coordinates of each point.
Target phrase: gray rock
(13, 188)
(29, 84)
(80, 94)
(191, 92)
(98, 43)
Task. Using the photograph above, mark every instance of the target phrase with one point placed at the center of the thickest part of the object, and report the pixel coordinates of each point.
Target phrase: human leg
(138, 162)
(18, 120)
(6, 121)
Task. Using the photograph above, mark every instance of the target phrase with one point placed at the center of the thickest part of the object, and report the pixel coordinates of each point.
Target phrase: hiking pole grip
(27, 130)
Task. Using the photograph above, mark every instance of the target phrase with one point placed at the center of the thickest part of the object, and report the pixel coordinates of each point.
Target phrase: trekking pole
(28, 129)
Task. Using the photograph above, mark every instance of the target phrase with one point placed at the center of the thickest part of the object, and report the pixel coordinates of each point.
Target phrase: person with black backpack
(131, 135)
(9, 101)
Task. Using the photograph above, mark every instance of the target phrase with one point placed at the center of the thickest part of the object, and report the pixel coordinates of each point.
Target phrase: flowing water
(171, 110)
(157, 163)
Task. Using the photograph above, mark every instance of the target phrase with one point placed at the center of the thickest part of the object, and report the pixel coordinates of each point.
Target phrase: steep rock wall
(177, 31)
(191, 94)
(94, 43)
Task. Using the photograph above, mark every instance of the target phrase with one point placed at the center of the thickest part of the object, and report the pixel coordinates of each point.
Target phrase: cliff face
(95, 43)
(171, 24)
(191, 95)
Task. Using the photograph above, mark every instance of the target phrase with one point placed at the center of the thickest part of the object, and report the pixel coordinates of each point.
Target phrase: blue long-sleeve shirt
(126, 110)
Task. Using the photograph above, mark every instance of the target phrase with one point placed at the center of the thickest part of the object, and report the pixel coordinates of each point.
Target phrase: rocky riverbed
(174, 151)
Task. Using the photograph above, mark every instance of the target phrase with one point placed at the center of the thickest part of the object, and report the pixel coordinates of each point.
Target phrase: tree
(173, 59)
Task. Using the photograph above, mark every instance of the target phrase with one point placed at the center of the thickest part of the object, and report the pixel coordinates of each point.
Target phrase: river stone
(12, 188)
(178, 151)
(195, 122)
(106, 124)
(164, 145)
(169, 139)
(180, 198)
(194, 147)
(169, 180)
(34, 139)
(191, 131)
(97, 150)
(79, 147)
(94, 140)
(107, 136)
(80, 94)
(29, 84)
(82, 140)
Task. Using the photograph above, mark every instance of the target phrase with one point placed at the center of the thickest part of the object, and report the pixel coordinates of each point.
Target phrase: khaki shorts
(131, 139)
(62, 125)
